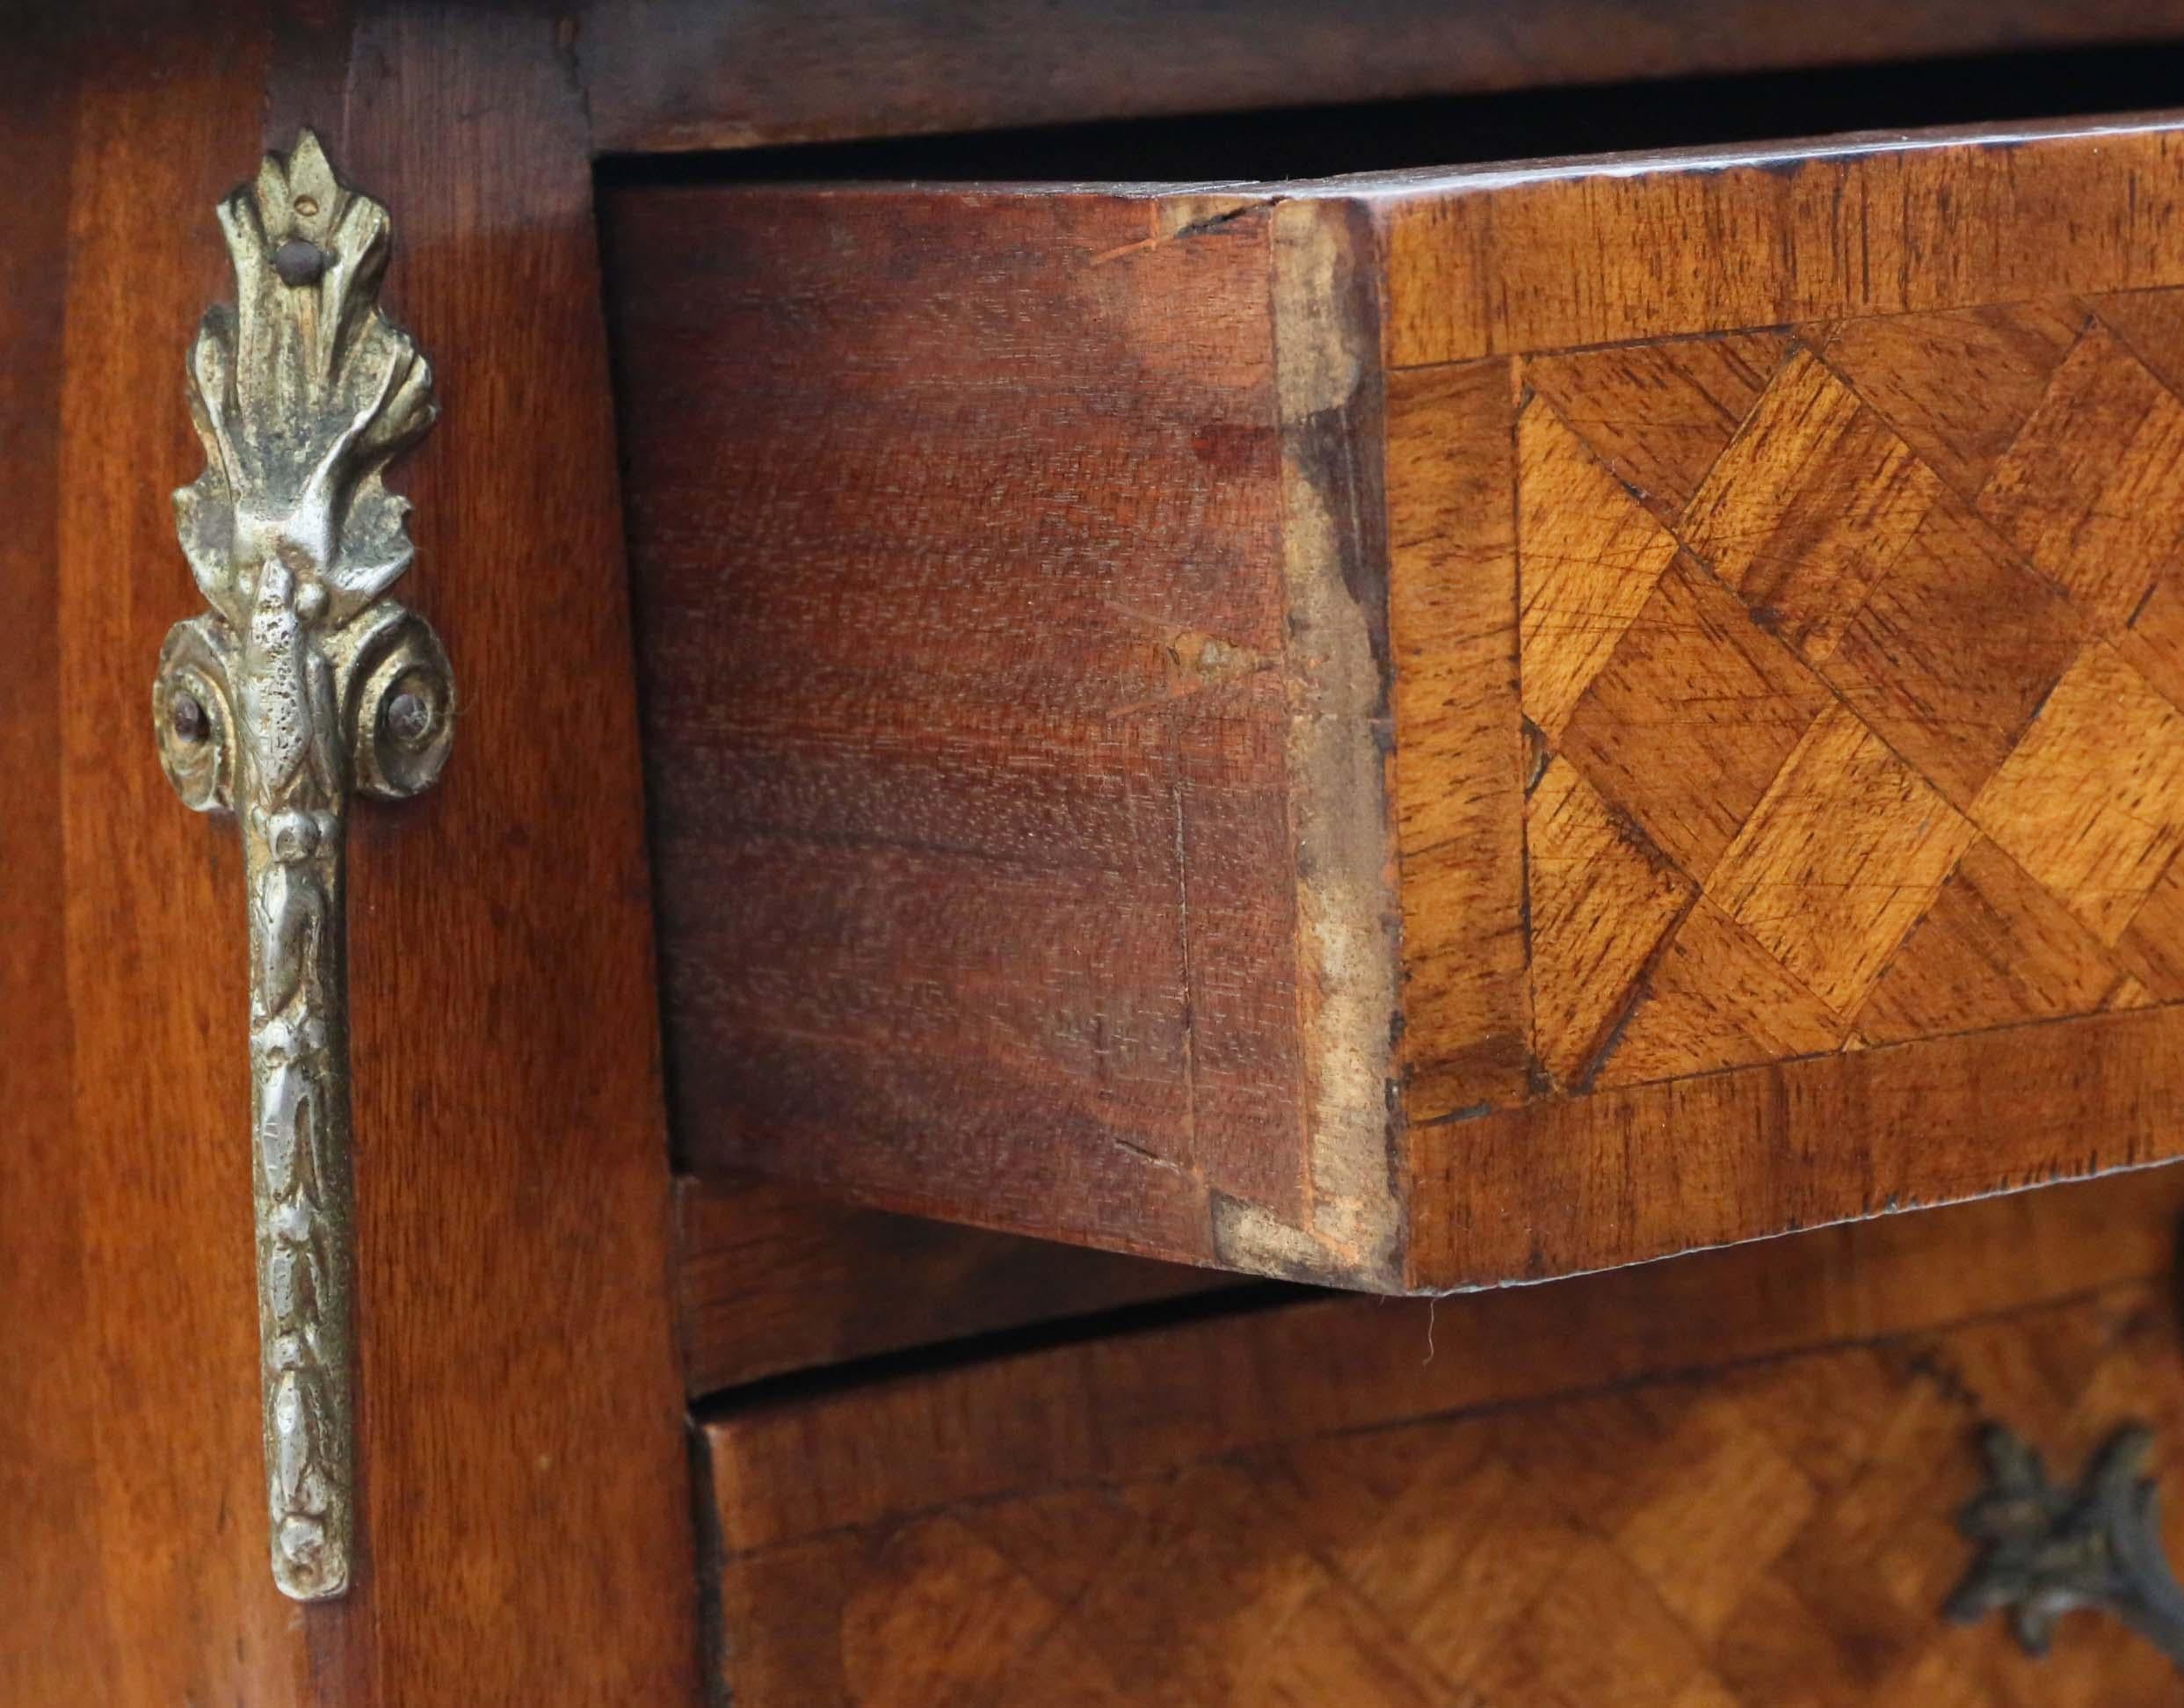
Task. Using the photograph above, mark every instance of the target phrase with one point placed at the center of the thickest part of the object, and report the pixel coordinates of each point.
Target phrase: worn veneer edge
(1519, 232)
(1024, 1423)
(1326, 337)
(1401, 183)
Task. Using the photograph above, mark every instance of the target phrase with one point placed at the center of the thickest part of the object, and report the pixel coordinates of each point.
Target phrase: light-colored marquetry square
(1659, 414)
(1957, 386)
(1704, 1535)
(1689, 722)
(2092, 801)
(2090, 491)
(1716, 999)
(1601, 900)
(1806, 510)
(1846, 851)
(1951, 655)
(1996, 948)
(1588, 554)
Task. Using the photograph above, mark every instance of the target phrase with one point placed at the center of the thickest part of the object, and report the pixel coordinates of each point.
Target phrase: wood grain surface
(1718, 650)
(527, 1528)
(772, 1280)
(54, 1627)
(516, 1240)
(688, 74)
(1726, 1480)
(1841, 721)
(967, 739)
(1556, 254)
(1831, 753)
(156, 1162)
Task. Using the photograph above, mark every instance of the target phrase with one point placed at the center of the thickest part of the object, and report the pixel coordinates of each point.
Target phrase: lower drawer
(1731, 1481)
(1427, 729)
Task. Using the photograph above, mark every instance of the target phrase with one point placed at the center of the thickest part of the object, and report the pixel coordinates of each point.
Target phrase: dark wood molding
(669, 75)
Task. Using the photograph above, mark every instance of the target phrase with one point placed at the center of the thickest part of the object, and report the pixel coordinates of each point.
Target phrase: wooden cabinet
(1413, 731)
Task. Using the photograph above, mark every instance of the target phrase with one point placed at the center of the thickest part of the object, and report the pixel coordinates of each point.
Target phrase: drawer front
(1833, 753)
(1426, 730)
(1388, 1508)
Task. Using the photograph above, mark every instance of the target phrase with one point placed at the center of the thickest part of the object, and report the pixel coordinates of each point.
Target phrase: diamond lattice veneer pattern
(1852, 658)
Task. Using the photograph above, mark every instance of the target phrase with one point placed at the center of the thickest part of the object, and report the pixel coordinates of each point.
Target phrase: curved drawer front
(1742, 1480)
(1422, 729)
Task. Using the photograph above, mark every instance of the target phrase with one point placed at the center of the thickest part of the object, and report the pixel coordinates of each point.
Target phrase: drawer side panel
(956, 520)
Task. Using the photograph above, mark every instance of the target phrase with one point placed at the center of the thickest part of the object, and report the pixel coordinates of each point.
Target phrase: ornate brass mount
(2048, 1550)
(301, 684)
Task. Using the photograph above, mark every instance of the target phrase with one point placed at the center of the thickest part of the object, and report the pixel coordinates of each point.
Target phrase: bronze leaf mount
(301, 685)
(2046, 1550)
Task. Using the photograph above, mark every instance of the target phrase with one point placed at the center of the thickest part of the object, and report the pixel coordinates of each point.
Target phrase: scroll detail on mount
(2047, 1550)
(301, 684)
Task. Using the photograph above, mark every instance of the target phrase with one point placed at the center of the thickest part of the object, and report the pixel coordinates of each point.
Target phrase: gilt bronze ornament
(302, 685)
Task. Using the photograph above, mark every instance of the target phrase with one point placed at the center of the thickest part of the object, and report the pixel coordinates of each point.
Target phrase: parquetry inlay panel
(1852, 660)
(1779, 1534)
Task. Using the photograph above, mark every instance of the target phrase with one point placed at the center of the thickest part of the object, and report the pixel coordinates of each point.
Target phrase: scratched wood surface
(1731, 1479)
(1425, 728)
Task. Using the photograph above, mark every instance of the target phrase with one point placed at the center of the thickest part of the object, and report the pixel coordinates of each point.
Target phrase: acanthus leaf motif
(302, 391)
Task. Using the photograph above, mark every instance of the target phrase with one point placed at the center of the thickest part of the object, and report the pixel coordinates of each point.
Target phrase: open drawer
(1427, 729)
